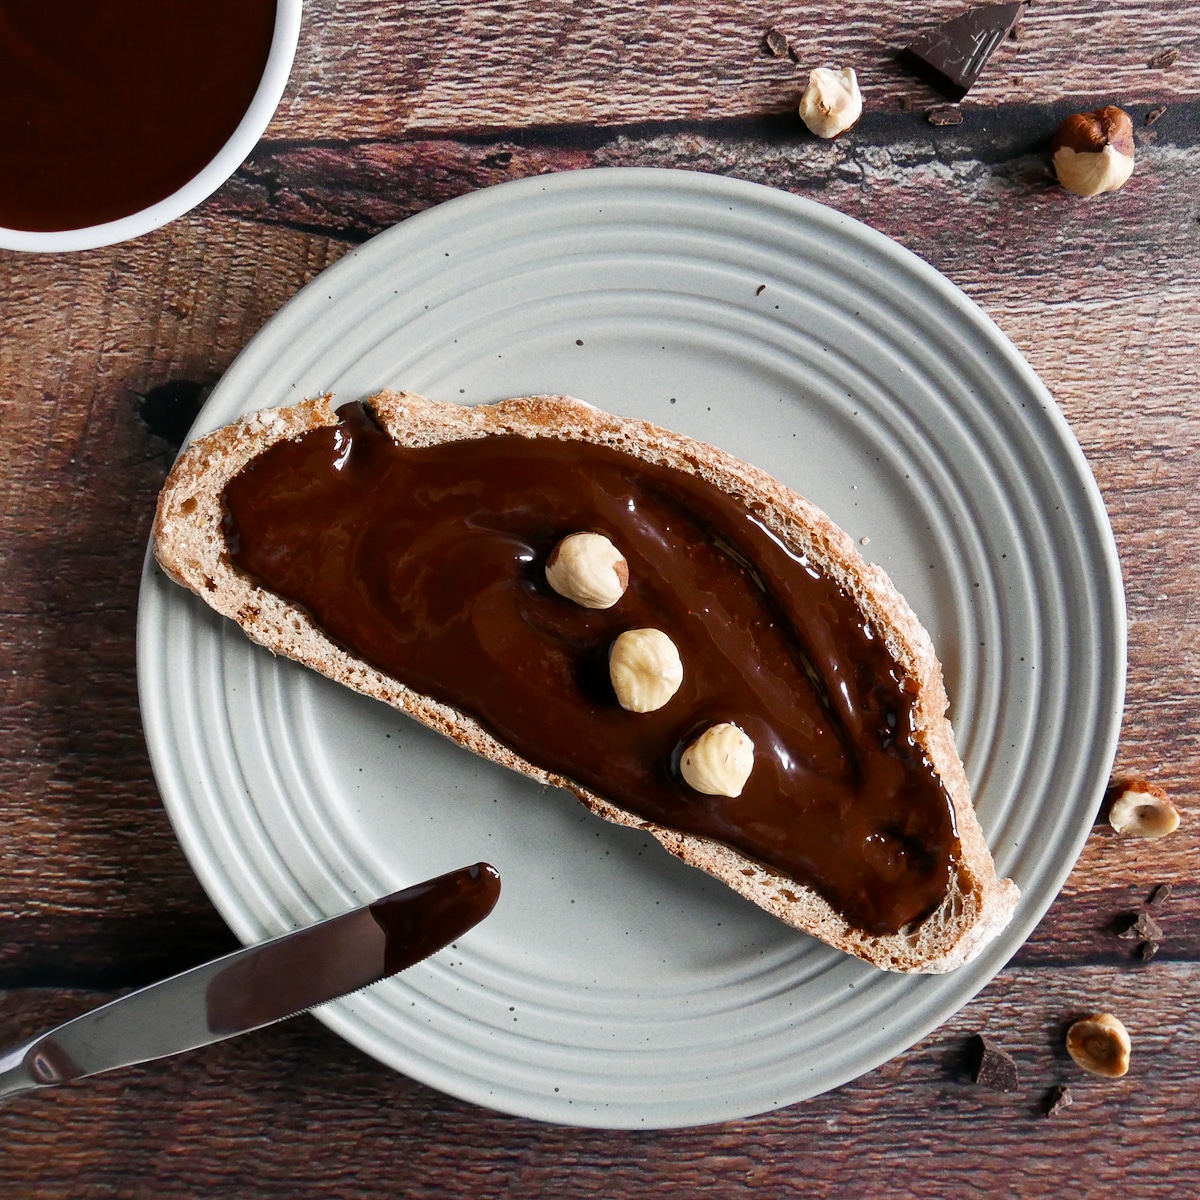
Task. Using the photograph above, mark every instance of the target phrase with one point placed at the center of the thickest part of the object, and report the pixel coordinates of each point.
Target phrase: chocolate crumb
(1143, 927)
(1164, 58)
(996, 1069)
(776, 43)
(904, 102)
(1148, 950)
(944, 114)
(762, 287)
(1160, 895)
(1017, 32)
(1148, 928)
(1059, 1098)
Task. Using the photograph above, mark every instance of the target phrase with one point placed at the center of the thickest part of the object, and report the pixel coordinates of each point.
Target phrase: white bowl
(201, 186)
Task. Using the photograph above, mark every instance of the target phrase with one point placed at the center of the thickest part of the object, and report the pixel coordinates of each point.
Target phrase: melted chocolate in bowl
(429, 564)
(109, 106)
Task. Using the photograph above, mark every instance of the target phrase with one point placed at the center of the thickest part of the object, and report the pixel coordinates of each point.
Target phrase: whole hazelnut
(831, 103)
(645, 669)
(588, 569)
(719, 761)
(1093, 152)
(1100, 1044)
(1141, 809)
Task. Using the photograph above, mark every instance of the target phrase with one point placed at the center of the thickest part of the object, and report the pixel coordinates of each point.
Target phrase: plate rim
(1111, 659)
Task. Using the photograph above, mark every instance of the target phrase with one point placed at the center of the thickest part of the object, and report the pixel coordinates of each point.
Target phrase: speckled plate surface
(614, 986)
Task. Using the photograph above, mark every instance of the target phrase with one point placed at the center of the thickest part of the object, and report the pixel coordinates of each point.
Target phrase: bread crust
(190, 547)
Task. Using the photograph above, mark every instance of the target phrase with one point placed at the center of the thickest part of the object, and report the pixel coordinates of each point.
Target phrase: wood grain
(392, 109)
(79, 474)
(293, 1110)
(440, 66)
(995, 167)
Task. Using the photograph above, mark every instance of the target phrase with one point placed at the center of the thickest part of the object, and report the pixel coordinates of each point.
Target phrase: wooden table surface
(391, 109)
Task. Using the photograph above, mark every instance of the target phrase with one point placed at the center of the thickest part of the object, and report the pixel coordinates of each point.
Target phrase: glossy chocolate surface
(108, 106)
(429, 564)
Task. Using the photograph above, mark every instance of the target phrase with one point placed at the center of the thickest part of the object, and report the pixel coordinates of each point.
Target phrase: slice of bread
(190, 546)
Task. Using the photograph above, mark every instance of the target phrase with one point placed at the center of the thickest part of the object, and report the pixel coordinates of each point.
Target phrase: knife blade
(259, 985)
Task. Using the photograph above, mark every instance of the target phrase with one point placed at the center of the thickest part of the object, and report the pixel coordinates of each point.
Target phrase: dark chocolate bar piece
(952, 56)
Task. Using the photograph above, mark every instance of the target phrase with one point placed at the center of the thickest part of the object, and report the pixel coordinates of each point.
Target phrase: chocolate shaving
(1160, 895)
(996, 1069)
(1148, 950)
(1148, 928)
(762, 287)
(1143, 927)
(952, 56)
(1164, 58)
(1059, 1098)
(776, 43)
(944, 114)
(1155, 113)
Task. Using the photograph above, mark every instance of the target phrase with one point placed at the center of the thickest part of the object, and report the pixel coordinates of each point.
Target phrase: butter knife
(258, 986)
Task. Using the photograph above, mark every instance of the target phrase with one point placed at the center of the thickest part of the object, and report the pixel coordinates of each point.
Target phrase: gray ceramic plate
(614, 986)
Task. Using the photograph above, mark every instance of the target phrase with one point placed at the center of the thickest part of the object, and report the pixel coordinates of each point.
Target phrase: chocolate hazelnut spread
(428, 563)
(108, 106)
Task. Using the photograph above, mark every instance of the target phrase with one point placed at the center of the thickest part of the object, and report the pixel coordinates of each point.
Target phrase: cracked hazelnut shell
(832, 102)
(1142, 809)
(1100, 1044)
(1093, 152)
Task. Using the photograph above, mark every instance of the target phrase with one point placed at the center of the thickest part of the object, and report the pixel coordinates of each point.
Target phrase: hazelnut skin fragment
(1141, 809)
(588, 569)
(1093, 152)
(1100, 1044)
(645, 669)
(832, 102)
(719, 761)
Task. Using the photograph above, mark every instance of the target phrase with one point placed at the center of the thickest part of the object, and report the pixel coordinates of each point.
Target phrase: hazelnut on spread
(429, 563)
(719, 761)
(588, 569)
(645, 669)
